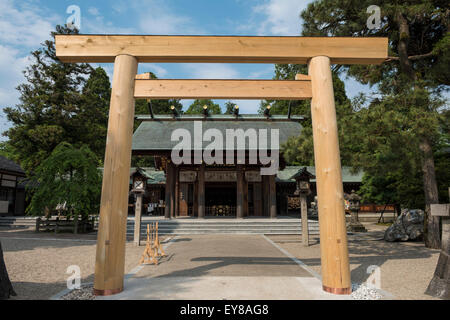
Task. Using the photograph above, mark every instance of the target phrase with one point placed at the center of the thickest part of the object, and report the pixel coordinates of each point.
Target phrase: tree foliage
(197, 107)
(93, 111)
(403, 126)
(68, 176)
(229, 107)
(58, 102)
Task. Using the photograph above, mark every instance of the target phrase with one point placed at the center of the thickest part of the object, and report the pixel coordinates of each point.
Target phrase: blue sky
(24, 24)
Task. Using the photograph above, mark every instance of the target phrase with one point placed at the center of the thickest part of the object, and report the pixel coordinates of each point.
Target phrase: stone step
(11, 221)
(231, 227)
(144, 225)
(230, 232)
(185, 227)
(216, 228)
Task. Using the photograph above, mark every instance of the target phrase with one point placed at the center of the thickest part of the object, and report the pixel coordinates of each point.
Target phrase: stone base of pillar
(356, 227)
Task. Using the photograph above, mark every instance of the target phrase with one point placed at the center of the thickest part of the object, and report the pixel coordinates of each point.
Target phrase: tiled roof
(287, 174)
(9, 165)
(156, 135)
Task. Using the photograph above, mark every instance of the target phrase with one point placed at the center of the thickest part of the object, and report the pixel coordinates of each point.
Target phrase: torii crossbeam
(126, 51)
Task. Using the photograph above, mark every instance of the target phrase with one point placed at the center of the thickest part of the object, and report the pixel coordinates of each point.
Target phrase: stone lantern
(354, 206)
(302, 179)
(139, 187)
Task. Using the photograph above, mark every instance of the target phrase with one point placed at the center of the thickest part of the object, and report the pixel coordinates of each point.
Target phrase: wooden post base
(109, 292)
(337, 290)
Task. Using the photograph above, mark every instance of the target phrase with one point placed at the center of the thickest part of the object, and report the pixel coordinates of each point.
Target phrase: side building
(12, 188)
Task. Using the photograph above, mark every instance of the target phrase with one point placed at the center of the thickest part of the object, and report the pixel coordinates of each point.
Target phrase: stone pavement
(220, 267)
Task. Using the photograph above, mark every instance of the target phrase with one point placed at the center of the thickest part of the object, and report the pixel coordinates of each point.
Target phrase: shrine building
(198, 189)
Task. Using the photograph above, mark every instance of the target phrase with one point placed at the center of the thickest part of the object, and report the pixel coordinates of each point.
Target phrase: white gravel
(84, 293)
(365, 292)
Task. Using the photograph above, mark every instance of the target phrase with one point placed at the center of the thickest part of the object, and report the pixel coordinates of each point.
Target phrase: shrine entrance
(127, 51)
(220, 199)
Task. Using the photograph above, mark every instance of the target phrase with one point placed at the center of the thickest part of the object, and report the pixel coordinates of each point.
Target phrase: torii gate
(127, 51)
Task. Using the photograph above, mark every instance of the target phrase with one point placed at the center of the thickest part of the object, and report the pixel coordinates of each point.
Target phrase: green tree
(197, 107)
(229, 107)
(93, 111)
(71, 176)
(6, 150)
(299, 150)
(419, 46)
(58, 102)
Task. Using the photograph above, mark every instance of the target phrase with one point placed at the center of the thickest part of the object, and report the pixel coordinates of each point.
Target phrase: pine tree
(59, 102)
(416, 72)
(92, 117)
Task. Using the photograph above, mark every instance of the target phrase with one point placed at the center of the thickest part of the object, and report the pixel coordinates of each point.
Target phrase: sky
(25, 24)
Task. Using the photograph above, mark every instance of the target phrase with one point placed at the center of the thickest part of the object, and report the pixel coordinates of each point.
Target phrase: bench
(58, 225)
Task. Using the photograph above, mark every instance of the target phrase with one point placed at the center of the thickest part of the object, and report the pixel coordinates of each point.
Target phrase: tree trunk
(432, 236)
(403, 30)
(431, 225)
(6, 289)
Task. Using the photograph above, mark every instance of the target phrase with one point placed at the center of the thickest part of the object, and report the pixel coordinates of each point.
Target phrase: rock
(407, 226)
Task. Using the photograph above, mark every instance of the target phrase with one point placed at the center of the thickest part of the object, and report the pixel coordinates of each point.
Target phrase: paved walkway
(224, 267)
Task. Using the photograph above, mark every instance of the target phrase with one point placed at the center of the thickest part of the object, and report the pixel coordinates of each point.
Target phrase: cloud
(280, 17)
(98, 24)
(11, 66)
(149, 17)
(93, 11)
(25, 25)
(158, 17)
(159, 71)
(264, 73)
(211, 71)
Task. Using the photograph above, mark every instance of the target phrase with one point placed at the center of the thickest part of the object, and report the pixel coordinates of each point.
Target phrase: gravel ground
(365, 292)
(406, 268)
(37, 263)
(84, 293)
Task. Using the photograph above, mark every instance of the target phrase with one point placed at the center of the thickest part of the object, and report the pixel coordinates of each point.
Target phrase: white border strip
(297, 261)
(384, 293)
(49, 239)
(130, 274)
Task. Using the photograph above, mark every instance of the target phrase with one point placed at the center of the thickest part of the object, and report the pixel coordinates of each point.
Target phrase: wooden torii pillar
(126, 51)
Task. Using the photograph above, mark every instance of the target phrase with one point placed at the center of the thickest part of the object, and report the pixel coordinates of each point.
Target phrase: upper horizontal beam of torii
(220, 49)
